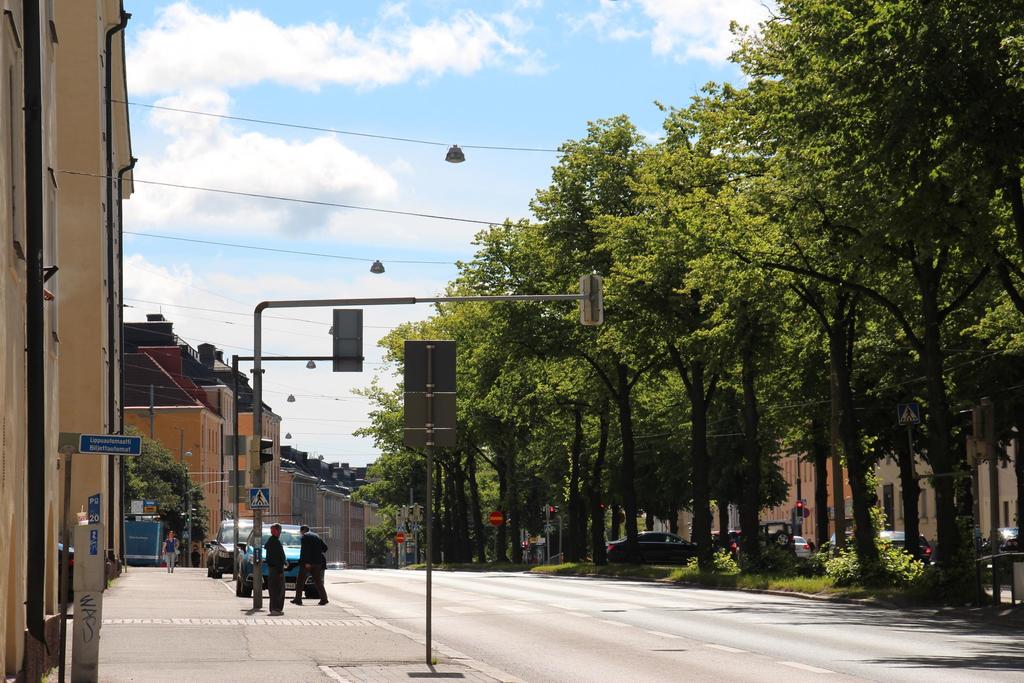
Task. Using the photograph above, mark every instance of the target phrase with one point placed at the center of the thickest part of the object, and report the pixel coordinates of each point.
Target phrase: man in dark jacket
(312, 562)
(276, 563)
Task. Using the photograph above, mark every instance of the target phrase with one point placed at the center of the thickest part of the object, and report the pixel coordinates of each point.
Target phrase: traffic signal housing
(592, 303)
(266, 451)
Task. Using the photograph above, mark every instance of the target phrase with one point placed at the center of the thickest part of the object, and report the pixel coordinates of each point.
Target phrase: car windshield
(287, 537)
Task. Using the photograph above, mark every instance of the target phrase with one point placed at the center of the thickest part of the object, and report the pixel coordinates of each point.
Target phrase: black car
(220, 552)
(899, 539)
(656, 547)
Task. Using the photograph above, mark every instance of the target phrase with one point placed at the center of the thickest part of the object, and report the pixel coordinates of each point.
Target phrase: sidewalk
(186, 627)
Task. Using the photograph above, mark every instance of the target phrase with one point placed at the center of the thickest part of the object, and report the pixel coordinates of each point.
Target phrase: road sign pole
(65, 563)
(429, 512)
(255, 466)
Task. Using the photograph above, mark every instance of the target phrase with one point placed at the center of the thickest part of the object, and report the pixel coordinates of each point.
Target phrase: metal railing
(992, 562)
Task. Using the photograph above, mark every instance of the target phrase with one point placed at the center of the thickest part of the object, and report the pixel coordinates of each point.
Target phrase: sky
(527, 74)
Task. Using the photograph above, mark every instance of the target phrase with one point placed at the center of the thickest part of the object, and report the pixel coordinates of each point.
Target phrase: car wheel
(246, 589)
(217, 573)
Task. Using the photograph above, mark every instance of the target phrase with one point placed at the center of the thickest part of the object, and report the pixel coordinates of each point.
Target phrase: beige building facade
(93, 149)
(56, 362)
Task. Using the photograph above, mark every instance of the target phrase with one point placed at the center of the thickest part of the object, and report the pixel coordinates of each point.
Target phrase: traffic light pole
(429, 512)
(591, 313)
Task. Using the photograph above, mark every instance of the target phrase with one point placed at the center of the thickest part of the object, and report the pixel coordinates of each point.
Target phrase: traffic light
(592, 303)
(266, 451)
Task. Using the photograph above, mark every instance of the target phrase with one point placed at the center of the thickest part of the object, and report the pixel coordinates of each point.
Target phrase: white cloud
(208, 152)
(682, 29)
(699, 28)
(187, 47)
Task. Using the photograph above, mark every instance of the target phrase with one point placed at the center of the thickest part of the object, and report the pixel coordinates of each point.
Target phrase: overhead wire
(276, 250)
(336, 131)
(281, 198)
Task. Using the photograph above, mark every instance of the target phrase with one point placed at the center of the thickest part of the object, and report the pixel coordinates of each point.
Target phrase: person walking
(312, 562)
(276, 563)
(170, 551)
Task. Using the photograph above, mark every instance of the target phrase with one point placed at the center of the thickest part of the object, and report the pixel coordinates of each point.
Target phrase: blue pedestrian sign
(259, 499)
(110, 444)
(94, 508)
(908, 413)
(94, 541)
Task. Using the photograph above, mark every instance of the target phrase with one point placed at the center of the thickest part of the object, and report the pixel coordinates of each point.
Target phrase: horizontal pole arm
(409, 300)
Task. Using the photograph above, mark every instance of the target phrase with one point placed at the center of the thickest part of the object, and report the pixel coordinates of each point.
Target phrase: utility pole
(152, 411)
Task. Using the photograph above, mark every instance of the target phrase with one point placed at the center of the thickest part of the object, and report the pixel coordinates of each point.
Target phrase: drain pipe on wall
(120, 343)
(113, 304)
(35, 322)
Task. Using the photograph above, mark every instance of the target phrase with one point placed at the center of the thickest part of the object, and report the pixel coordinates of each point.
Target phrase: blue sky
(527, 73)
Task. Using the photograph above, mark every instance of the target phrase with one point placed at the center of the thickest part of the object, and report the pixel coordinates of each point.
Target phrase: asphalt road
(578, 629)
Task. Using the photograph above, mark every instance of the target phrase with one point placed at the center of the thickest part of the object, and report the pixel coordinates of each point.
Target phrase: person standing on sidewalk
(170, 551)
(312, 562)
(275, 568)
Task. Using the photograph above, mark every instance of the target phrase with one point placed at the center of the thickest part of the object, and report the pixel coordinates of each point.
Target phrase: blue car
(290, 540)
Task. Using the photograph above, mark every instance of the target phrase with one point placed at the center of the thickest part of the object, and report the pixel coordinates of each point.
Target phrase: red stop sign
(400, 537)
(496, 518)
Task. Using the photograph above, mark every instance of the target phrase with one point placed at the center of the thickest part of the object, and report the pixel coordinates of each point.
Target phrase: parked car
(899, 539)
(1009, 539)
(802, 547)
(290, 540)
(220, 552)
(656, 547)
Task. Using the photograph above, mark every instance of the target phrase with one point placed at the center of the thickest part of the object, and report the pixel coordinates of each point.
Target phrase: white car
(803, 548)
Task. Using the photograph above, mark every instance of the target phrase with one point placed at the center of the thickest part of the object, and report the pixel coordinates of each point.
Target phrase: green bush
(895, 568)
(725, 563)
(811, 566)
(772, 560)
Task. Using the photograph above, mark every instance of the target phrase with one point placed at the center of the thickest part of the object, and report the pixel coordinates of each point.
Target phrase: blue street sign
(259, 499)
(94, 541)
(908, 413)
(110, 444)
(94, 508)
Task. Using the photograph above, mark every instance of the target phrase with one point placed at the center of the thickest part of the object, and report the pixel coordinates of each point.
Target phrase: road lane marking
(806, 667)
(583, 615)
(615, 623)
(520, 609)
(663, 634)
(724, 648)
(463, 610)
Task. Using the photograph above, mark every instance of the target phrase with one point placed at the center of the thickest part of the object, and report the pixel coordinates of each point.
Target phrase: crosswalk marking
(248, 621)
(806, 667)
(662, 634)
(723, 648)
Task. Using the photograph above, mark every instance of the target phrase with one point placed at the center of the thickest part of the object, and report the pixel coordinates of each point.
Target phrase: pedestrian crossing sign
(908, 413)
(259, 499)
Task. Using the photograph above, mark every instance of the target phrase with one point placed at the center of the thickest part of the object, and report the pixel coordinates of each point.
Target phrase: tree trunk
(501, 542)
(616, 522)
(820, 450)
(835, 456)
(673, 522)
(597, 541)
(628, 474)
(438, 530)
(649, 521)
(864, 498)
(938, 421)
(909, 495)
(723, 523)
(576, 545)
(1018, 466)
(515, 523)
(701, 464)
(750, 524)
(466, 537)
(479, 535)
